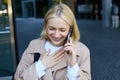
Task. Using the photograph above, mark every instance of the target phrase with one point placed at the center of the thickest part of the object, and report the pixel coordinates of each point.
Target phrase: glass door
(7, 39)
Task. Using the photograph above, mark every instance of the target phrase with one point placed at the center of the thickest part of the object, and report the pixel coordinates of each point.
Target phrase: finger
(59, 60)
(68, 49)
(59, 57)
(68, 44)
(70, 40)
(58, 54)
(57, 51)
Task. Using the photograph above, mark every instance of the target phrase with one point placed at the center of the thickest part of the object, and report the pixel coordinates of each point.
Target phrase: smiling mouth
(56, 40)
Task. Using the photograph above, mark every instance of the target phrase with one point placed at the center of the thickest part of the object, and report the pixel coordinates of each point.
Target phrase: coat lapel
(49, 75)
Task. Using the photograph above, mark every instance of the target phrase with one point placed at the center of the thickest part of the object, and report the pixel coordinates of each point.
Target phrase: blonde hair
(63, 11)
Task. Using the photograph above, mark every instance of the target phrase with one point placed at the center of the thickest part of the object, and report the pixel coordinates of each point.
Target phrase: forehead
(57, 22)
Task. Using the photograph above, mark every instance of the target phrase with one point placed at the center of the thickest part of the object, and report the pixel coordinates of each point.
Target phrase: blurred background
(99, 25)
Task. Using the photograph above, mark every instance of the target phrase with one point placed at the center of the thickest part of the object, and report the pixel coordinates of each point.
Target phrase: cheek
(49, 32)
(64, 34)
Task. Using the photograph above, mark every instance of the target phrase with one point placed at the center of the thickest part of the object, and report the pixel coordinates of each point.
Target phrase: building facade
(8, 60)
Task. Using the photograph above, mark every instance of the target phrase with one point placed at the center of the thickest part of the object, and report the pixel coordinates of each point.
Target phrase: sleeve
(84, 72)
(72, 72)
(40, 68)
(26, 69)
(84, 64)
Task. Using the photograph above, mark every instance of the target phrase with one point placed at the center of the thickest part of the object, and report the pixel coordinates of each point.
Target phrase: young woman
(59, 59)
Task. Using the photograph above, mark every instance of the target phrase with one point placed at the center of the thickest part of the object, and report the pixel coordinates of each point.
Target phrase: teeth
(56, 39)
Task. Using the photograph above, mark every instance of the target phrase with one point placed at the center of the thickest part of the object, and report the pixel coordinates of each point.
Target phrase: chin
(57, 43)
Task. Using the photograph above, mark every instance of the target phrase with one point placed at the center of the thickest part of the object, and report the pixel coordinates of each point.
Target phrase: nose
(56, 33)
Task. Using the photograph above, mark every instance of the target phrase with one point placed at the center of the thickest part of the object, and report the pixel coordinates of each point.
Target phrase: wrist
(43, 62)
(73, 62)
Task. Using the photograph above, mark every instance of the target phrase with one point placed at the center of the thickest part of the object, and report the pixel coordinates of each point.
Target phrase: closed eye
(51, 28)
(62, 30)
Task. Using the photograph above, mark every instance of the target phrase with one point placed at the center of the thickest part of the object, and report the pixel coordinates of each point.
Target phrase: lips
(56, 40)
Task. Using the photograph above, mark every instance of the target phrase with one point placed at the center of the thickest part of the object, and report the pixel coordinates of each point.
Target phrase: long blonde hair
(63, 11)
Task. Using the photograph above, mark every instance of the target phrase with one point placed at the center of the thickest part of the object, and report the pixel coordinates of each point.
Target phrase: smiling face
(57, 30)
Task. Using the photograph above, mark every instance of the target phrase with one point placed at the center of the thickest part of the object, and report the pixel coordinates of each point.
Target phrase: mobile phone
(69, 34)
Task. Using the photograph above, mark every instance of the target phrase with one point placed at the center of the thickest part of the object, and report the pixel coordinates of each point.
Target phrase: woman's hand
(52, 60)
(71, 50)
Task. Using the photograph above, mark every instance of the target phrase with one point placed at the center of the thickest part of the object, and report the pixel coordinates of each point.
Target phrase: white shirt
(40, 68)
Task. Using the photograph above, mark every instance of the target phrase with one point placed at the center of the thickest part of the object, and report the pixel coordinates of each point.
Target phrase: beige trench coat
(26, 68)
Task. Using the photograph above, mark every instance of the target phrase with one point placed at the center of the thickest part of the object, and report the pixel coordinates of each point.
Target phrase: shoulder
(37, 42)
(36, 45)
(82, 48)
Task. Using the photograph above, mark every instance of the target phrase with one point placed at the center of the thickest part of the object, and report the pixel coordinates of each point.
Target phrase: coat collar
(49, 75)
(41, 46)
